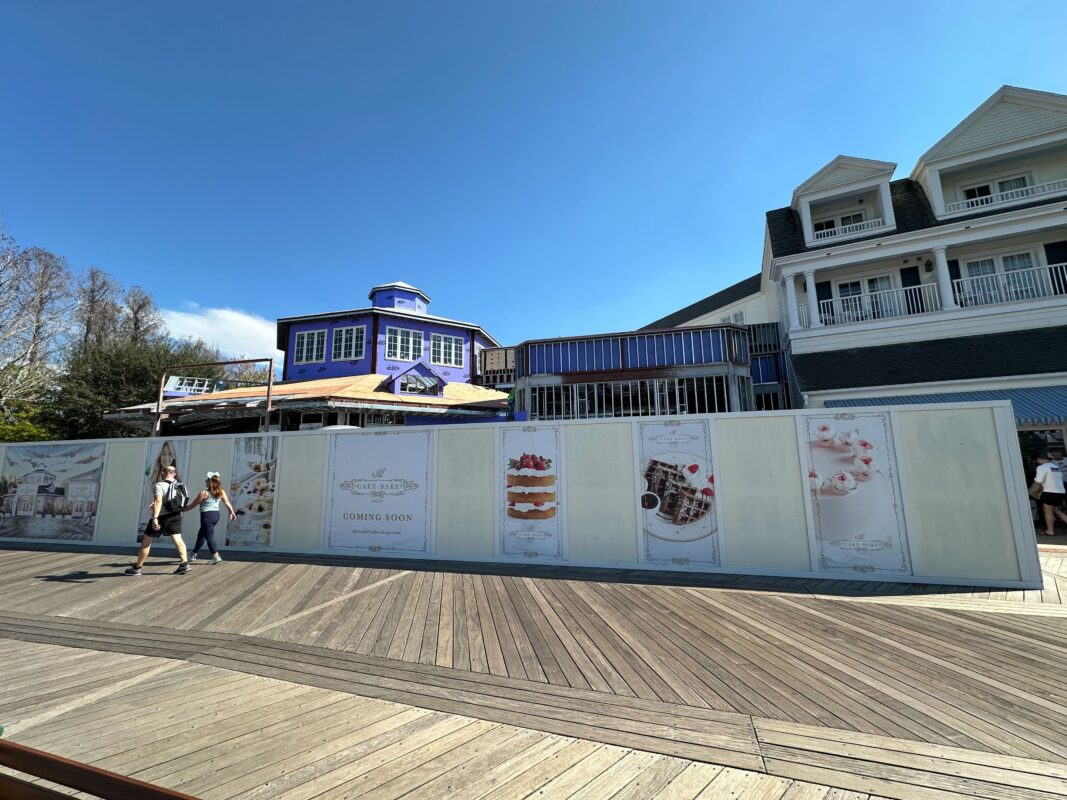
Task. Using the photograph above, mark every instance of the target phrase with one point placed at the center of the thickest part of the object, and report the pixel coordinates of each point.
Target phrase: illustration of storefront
(38, 495)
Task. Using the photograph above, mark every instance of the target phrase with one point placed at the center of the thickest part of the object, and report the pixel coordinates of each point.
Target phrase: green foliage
(112, 374)
(22, 424)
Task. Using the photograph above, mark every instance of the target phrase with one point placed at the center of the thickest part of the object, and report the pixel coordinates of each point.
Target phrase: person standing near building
(208, 500)
(1049, 477)
(169, 501)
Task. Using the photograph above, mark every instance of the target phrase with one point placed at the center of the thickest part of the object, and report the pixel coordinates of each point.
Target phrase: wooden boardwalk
(891, 690)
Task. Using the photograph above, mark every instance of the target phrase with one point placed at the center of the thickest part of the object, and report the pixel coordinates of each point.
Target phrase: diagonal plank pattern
(265, 738)
(756, 674)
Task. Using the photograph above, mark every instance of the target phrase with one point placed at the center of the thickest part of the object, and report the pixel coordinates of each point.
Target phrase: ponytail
(214, 486)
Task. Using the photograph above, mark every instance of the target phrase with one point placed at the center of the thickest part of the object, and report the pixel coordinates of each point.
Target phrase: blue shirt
(209, 503)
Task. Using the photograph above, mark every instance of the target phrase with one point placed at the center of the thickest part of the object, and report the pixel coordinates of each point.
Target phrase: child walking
(208, 500)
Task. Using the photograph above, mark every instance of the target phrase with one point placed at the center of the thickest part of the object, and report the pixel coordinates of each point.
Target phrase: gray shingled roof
(739, 290)
(910, 206)
(993, 355)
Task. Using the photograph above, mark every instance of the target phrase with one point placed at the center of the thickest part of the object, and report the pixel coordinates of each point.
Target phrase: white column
(888, 216)
(937, 199)
(791, 302)
(813, 299)
(944, 280)
(805, 221)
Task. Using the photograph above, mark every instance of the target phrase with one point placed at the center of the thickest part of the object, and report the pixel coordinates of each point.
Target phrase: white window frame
(837, 217)
(864, 286)
(962, 188)
(437, 350)
(404, 379)
(338, 334)
(394, 338)
(1036, 253)
(302, 347)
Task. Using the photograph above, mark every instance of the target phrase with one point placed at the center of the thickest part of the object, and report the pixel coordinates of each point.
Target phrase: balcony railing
(1013, 286)
(888, 304)
(1000, 198)
(847, 230)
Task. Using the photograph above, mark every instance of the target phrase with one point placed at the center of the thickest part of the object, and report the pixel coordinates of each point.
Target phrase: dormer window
(837, 225)
(994, 191)
(418, 384)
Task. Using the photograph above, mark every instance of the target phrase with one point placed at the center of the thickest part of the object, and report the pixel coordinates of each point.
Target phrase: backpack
(175, 498)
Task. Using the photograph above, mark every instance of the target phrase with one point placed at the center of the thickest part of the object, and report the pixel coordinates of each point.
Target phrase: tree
(35, 302)
(141, 320)
(98, 310)
(114, 374)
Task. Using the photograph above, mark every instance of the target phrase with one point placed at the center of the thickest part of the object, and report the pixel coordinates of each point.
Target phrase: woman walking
(208, 500)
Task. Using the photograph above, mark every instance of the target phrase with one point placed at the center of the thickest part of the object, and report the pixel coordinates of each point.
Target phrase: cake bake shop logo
(673, 438)
(378, 486)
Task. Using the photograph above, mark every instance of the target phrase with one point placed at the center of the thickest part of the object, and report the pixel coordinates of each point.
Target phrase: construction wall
(922, 493)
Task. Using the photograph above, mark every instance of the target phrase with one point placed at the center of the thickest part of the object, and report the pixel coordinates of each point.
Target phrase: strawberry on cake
(531, 487)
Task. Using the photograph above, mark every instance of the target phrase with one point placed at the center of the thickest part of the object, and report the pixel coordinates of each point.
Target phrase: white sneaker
(216, 559)
(192, 556)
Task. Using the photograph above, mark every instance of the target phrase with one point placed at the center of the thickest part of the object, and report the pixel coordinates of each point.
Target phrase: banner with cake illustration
(252, 489)
(854, 488)
(380, 492)
(531, 492)
(161, 453)
(676, 494)
(50, 491)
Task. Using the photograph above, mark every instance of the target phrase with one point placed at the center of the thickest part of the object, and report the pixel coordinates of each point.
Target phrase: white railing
(845, 230)
(1005, 197)
(1013, 286)
(802, 316)
(880, 305)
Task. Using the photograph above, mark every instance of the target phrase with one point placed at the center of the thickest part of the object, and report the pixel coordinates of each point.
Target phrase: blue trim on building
(1036, 405)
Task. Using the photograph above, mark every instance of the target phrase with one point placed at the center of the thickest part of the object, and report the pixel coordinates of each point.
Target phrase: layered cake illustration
(679, 500)
(531, 487)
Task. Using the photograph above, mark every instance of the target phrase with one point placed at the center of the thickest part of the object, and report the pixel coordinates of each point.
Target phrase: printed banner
(253, 483)
(677, 508)
(50, 491)
(381, 492)
(855, 493)
(531, 500)
(160, 453)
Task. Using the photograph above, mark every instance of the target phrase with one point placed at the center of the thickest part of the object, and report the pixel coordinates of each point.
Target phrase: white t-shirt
(1050, 477)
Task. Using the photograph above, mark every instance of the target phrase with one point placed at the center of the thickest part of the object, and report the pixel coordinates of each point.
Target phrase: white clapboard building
(947, 284)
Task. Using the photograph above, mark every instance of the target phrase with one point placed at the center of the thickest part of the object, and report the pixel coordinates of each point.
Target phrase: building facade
(701, 370)
(396, 335)
(949, 283)
(391, 363)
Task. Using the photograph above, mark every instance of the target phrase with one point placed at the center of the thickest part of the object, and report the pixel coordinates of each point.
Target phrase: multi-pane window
(402, 344)
(851, 219)
(348, 343)
(976, 192)
(1011, 184)
(446, 350)
(310, 347)
(824, 225)
(737, 318)
(418, 384)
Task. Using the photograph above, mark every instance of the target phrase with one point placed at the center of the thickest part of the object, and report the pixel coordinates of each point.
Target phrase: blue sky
(539, 168)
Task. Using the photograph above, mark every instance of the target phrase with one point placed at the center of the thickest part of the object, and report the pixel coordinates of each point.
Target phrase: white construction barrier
(929, 494)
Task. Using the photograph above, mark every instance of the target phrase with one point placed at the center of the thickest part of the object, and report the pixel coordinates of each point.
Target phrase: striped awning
(1036, 405)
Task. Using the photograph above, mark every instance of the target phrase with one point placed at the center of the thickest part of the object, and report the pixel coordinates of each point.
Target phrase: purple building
(391, 363)
(395, 336)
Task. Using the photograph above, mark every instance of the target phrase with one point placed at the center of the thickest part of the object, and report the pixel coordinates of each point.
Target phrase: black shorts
(1053, 499)
(169, 525)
